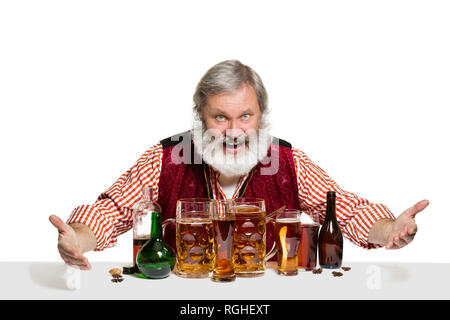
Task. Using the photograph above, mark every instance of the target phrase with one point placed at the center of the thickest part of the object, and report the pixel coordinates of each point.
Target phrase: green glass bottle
(156, 259)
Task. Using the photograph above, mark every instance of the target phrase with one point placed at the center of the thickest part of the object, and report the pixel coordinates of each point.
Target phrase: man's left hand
(404, 227)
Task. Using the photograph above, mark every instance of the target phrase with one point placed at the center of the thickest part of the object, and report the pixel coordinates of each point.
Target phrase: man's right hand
(69, 245)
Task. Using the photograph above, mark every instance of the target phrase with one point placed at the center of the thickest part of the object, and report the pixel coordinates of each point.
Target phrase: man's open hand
(404, 227)
(68, 245)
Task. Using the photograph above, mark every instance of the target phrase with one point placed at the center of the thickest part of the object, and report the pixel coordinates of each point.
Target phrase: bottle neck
(147, 194)
(331, 207)
(156, 228)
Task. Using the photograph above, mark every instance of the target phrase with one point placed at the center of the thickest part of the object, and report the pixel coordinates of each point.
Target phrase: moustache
(213, 136)
(235, 140)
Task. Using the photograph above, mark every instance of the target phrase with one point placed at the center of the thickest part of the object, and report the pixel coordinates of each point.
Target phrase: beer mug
(249, 252)
(194, 237)
(287, 239)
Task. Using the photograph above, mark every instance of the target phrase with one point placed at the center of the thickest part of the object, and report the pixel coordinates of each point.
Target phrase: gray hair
(228, 76)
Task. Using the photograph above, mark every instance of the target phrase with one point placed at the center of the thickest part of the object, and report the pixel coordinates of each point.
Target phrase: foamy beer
(249, 252)
(287, 239)
(194, 237)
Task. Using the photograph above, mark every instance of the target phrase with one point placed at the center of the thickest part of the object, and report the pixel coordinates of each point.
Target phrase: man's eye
(220, 118)
(245, 116)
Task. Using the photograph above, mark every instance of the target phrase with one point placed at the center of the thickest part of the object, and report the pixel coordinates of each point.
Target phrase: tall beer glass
(287, 238)
(223, 226)
(307, 251)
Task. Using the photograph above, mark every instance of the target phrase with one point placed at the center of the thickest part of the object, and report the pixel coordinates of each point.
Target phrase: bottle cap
(331, 194)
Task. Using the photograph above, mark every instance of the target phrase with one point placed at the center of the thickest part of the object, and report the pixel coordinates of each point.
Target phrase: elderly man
(229, 153)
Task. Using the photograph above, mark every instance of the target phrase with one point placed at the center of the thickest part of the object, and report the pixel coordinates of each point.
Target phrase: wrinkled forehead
(235, 102)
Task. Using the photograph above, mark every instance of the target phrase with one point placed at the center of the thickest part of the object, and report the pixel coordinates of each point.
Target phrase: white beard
(209, 144)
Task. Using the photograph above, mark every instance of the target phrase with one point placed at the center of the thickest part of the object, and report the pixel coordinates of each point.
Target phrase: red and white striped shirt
(111, 214)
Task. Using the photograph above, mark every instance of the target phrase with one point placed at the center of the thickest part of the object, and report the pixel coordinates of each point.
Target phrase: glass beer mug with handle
(249, 252)
(194, 237)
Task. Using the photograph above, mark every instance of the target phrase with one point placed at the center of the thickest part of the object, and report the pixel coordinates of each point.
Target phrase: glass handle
(272, 251)
(165, 223)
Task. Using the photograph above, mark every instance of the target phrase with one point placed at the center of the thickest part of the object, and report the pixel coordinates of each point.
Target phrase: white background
(87, 86)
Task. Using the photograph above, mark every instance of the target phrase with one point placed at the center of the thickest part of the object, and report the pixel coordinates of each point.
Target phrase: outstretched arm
(356, 215)
(97, 226)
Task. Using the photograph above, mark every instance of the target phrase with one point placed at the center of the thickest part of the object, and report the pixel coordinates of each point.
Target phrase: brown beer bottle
(330, 237)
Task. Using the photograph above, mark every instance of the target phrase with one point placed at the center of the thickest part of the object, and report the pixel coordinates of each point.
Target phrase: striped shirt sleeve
(111, 214)
(355, 215)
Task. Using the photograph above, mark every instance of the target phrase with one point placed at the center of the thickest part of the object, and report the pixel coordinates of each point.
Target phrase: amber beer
(195, 252)
(223, 248)
(330, 237)
(194, 237)
(249, 240)
(287, 238)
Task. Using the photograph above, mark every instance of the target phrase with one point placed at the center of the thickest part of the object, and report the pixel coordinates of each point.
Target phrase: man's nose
(233, 130)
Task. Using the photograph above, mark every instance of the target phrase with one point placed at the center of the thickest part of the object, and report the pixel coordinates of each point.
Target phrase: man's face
(234, 115)
(233, 135)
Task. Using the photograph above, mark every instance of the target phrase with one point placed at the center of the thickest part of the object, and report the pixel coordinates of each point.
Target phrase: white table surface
(46, 280)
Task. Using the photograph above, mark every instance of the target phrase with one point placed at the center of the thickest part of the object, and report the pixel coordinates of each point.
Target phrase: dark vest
(185, 176)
